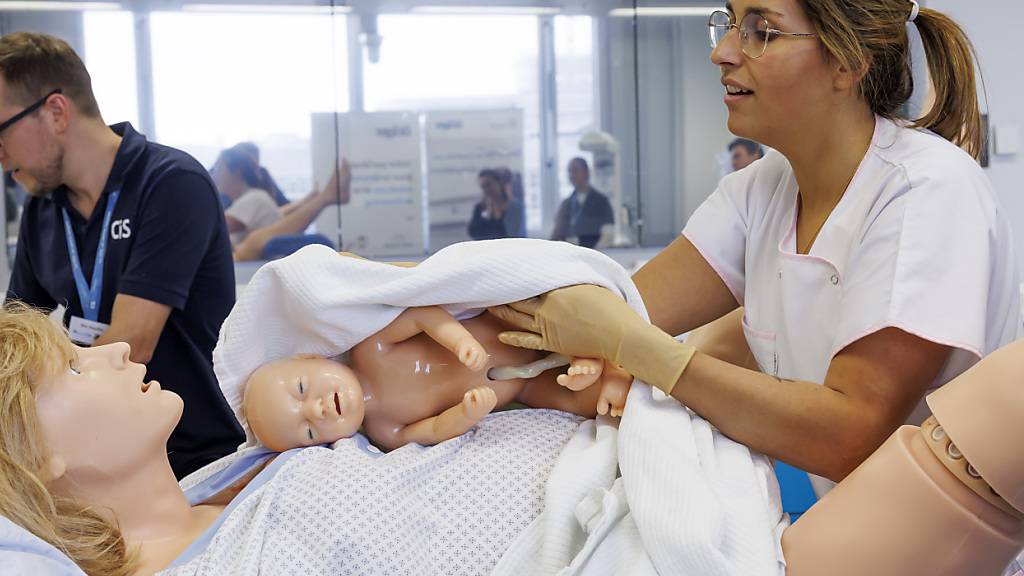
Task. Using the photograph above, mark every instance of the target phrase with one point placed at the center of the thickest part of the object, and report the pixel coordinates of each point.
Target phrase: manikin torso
(405, 382)
(417, 378)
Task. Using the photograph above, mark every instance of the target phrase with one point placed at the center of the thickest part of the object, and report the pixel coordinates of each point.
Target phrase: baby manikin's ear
(55, 468)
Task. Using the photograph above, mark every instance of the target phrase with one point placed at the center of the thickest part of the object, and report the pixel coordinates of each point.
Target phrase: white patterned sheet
(450, 509)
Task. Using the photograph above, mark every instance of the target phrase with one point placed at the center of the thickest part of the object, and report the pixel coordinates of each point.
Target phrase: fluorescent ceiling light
(267, 8)
(665, 11)
(53, 6)
(508, 10)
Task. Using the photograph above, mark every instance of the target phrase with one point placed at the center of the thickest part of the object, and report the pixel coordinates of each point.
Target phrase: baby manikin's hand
(472, 354)
(582, 373)
(479, 402)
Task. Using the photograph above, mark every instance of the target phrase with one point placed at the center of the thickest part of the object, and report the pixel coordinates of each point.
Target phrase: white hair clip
(914, 10)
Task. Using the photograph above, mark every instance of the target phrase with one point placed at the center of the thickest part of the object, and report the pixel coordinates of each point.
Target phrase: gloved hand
(592, 322)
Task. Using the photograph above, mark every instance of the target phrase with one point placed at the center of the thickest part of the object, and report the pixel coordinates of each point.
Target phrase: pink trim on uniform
(757, 333)
(735, 293)
(794, 256)
(890, 324)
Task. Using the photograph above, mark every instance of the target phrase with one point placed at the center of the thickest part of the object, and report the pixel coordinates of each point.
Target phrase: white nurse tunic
(918, 242)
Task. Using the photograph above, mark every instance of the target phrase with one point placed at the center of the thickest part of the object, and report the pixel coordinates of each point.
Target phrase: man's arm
(176, 231)
(137, 321)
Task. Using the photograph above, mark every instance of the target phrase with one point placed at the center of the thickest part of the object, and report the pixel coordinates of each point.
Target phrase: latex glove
(590, 321)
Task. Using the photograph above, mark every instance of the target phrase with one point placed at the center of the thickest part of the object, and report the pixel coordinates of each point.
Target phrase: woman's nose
(728, 51)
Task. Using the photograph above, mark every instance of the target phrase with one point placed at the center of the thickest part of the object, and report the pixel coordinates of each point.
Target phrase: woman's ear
(55, 467)
(845, 78)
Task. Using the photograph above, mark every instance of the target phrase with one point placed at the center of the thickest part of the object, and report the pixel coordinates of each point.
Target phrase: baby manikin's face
(301, 402)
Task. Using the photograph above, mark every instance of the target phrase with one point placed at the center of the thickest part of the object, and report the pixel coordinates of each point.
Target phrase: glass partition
(422, 98)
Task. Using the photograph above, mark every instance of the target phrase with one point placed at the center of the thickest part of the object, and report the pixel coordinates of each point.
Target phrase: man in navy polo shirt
(127, 234)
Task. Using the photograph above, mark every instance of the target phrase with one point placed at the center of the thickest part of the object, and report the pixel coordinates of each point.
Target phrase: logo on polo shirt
(121, 229)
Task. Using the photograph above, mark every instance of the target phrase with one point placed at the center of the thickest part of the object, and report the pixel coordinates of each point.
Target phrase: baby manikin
(424, 378)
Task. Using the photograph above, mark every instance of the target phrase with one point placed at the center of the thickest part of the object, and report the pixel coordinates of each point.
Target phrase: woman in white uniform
(870, 253)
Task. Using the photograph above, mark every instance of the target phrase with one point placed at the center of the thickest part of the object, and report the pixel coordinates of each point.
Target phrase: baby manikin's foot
(614, 390)
(479, 402)
(582, 373)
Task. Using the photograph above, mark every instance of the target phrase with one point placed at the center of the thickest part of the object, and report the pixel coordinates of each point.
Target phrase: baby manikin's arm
(454, 421)
(442, 327)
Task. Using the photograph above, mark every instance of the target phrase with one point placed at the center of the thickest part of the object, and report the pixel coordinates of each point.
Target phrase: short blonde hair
(34, 349)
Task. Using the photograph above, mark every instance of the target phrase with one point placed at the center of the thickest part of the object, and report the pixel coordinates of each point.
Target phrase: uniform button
(954, 452)
(938, 434)
(834, 280)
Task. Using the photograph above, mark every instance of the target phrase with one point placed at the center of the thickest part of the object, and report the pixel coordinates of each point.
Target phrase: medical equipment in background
(606, 176)
(371, 38)
(946, 499)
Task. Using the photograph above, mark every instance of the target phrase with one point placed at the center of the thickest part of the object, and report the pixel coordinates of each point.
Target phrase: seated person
(402, 385)
(497, 215)
(584, 218)
(268, 183)
(254, 218)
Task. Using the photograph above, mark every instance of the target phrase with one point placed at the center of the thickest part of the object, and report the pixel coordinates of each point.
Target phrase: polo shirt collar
(128, 154)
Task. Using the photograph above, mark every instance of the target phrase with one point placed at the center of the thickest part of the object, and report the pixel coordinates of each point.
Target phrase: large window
(110, 57)
(463, 62)
(574, 83)
(219, 79)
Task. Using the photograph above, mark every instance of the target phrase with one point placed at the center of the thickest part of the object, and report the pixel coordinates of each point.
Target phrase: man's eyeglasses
(32, 108)
(755, 32)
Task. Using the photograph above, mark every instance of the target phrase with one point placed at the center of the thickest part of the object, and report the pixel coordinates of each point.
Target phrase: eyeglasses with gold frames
(755, 32)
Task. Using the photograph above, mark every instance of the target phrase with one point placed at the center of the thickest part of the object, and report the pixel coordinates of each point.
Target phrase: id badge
(85, 332)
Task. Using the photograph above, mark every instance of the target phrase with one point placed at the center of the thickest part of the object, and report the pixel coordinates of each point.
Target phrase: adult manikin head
(73, 418)
(302, 401)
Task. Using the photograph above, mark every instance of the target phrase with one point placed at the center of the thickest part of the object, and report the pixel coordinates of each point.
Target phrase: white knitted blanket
(689, 500)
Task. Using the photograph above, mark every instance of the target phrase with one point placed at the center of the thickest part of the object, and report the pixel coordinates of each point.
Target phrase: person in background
(497, 215)
(586, 213)
(742, 152)
(127, 234)
(253, 218)
(267, 181)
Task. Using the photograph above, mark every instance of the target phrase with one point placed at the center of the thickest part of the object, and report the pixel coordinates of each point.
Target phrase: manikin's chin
(171, 409)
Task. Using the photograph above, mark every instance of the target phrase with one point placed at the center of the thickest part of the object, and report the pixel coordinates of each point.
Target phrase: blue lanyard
(89, 294)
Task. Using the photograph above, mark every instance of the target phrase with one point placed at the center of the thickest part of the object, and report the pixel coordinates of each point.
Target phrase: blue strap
(89, 294)
(200, 544)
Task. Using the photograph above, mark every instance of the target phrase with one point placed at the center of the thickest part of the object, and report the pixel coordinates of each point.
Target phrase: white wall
(703, 118)
(991, 24)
